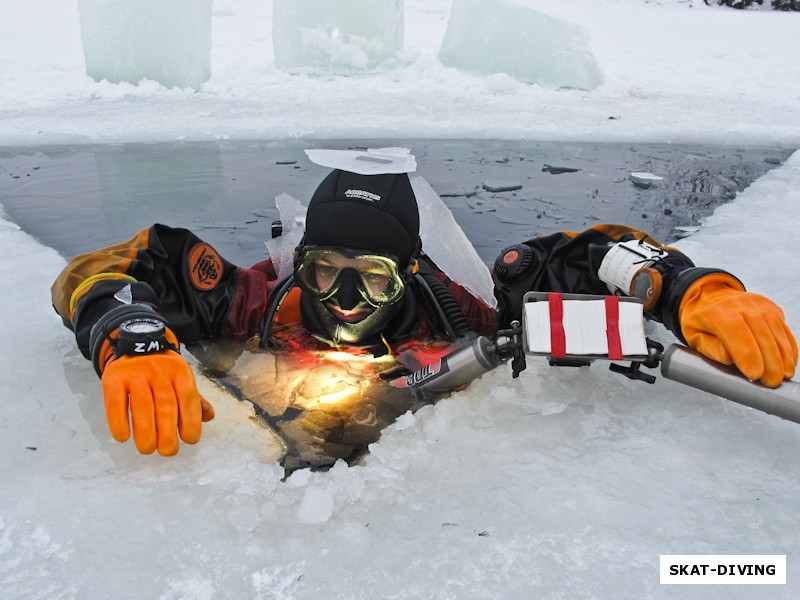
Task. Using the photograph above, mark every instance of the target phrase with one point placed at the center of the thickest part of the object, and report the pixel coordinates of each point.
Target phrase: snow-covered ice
(671, 73)
(560, 484)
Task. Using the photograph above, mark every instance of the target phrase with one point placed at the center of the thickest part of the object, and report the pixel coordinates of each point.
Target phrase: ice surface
(508, 36)
(344, 36)
(563, 484)
(316, 505)
(168, 41)
(654, 89)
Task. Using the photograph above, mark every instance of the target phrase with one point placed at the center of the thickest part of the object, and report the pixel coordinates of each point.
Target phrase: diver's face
(373, 276)
(352, 294)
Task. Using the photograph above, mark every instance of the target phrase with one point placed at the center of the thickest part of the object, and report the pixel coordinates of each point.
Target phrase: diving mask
(322, 271)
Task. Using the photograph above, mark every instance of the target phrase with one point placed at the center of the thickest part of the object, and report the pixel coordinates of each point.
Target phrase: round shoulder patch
(514, 262)
(205, 267)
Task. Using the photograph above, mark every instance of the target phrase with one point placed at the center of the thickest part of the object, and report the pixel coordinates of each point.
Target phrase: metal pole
(690, 368)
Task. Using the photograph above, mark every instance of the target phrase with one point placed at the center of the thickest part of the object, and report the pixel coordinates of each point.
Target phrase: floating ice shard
(644, 180)
(498, 185)
(464, 192)
(507, 36)
(293, 225)
(371, 161)
(445, 243)
(558, 170)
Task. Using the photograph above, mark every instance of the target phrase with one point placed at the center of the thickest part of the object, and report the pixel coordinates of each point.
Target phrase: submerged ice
(508, 36)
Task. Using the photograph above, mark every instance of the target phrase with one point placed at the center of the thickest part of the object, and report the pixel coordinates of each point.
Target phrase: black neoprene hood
(374, 213)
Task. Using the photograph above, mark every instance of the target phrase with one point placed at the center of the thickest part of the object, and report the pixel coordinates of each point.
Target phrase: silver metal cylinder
(457, 369)
(691, 368)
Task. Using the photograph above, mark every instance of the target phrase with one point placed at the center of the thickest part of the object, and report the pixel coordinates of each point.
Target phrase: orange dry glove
(721, 320)
(160, 393)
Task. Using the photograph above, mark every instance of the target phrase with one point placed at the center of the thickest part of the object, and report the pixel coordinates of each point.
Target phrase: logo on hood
(362, 195)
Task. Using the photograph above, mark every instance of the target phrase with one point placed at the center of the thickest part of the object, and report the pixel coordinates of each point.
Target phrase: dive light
(455, 370)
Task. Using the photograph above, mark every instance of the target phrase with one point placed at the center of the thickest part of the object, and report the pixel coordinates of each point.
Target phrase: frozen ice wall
(507, 36)
(168, 41)
(337, 36)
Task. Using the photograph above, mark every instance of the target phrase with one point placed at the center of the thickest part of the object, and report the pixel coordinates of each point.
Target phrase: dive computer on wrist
(142, 336)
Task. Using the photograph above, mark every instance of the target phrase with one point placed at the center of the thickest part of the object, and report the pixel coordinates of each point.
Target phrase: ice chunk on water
(344, 36)
(372, 161)
(168, 41)
(506, 36)
(644, 180)
(501, 185)
(447, 245)
(293, 223)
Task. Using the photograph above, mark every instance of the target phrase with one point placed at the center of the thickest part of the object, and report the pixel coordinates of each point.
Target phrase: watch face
(142, 327)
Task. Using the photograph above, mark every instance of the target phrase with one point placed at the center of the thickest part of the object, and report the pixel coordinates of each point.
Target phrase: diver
(362, 282)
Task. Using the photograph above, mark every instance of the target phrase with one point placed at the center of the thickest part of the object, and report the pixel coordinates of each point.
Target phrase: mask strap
(298, 252)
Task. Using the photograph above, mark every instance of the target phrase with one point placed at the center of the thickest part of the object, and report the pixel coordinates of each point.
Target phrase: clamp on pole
(509, 345)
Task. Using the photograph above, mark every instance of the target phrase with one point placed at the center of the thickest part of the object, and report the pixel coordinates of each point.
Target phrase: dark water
(79, 198)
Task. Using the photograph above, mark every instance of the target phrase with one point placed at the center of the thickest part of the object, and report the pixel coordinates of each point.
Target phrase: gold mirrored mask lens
(320, 272)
